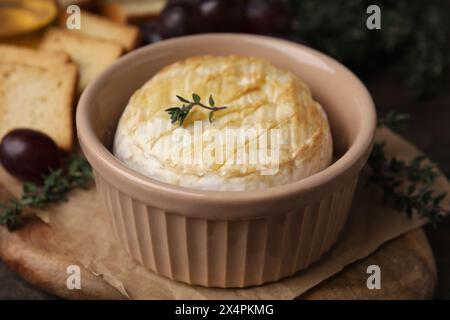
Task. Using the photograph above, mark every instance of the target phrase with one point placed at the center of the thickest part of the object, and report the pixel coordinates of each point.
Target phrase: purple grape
(28, 154)
(222, 15)
(176, 2)
(151, 32)
(179, 19)
(268, 17)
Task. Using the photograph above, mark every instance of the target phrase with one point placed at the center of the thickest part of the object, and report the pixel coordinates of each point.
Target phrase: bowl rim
(97, 153)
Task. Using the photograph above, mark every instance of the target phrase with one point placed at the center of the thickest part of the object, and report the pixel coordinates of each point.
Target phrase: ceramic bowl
(217, 238)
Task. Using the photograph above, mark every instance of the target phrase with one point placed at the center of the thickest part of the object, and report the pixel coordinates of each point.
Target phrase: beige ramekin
(227, 239)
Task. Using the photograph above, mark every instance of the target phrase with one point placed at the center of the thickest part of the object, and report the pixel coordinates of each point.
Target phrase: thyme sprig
(76, 173)
(179, 114)
(393, 120)
(407, 186)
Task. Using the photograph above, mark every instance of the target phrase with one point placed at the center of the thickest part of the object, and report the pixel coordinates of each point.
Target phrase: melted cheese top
(259, 98)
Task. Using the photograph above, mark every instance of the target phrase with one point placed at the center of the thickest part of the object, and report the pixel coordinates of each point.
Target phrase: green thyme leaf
(182, 99)
(76, 173)
(211, 101)
(196, 98)
(179, 115)
(393, 119)
(407, 186)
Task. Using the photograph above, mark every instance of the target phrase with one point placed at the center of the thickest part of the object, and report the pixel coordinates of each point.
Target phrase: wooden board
(407, 263)
(408, 271)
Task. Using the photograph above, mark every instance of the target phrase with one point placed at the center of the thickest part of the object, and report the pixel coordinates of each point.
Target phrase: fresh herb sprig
(393, 120)
(407, 186)
(179, 114)
(76, 173)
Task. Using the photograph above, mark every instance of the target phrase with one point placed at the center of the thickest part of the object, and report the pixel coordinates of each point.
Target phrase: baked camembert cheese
(272, 131)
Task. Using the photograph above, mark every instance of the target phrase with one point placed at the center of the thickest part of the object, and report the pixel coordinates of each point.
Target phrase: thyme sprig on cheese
(179, 114)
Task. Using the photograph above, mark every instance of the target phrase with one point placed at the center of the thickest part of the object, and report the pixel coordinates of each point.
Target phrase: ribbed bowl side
(225, 253)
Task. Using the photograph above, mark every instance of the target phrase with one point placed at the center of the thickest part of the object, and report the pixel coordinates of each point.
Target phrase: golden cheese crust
(258, 96)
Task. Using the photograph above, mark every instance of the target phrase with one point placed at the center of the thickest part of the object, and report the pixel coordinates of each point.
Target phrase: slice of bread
(15, 54)
(131, 11)
(99, 27)
(38, 98)
(91, 55)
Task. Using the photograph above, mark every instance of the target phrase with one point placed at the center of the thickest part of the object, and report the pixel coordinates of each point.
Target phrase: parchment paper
(80, 228)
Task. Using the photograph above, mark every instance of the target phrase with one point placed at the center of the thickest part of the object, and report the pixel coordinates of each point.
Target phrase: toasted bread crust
(99, 27)
(22, 55)
(133, 12)
(91, 55)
